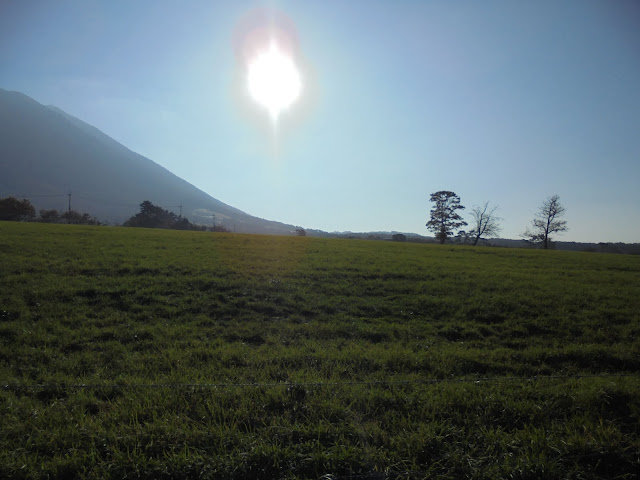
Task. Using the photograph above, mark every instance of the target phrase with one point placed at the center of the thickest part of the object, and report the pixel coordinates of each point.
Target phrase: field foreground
(133, 353)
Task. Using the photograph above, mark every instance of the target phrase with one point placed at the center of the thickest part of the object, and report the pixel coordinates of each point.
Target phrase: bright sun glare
(274, 81)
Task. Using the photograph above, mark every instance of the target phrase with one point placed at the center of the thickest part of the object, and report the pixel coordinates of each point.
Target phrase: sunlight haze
(378, 103)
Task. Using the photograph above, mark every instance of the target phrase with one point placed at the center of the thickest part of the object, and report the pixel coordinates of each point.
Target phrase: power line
(173, 206)
(91, 199)
(110, 203)
(40, 196)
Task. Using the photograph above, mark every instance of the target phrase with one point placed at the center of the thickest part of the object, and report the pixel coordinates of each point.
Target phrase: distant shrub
(71, 217)
(49, 216)
(77, 218)
(16, 210)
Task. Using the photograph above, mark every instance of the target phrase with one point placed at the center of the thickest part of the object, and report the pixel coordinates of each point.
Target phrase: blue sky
(499, 101)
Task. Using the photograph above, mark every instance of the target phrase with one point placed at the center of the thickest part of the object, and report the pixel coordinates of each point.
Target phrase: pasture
(135, 353)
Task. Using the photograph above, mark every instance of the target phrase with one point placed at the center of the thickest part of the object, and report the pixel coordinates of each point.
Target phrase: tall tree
(547, 221)
(485, 223)
(444, 216)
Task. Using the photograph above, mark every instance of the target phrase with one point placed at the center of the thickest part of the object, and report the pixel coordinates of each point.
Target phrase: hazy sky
(500, 101)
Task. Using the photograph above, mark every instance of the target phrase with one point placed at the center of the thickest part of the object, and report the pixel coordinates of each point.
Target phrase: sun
(273, 80)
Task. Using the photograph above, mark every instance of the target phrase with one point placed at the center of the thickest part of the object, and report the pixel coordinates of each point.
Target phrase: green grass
(235, 356)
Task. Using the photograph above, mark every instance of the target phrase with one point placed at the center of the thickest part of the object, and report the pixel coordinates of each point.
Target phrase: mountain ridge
(45, 153)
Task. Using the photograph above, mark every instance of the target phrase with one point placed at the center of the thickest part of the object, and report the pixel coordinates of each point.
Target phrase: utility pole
(69, 210)
(180, 210)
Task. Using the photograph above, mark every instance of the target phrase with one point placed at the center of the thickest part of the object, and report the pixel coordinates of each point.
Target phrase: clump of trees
(445, 219)
(153, 216)
(485, 223)
(70, 216)
(16, 210)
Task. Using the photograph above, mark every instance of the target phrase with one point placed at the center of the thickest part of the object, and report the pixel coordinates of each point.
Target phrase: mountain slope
(46, 153)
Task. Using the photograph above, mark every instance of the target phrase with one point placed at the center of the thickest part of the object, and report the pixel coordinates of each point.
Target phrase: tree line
(445, 219)
(16, 210)
(149, 216)
(153, 216)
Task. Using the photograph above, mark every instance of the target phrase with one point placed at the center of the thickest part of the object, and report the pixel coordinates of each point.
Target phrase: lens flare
(273, 80)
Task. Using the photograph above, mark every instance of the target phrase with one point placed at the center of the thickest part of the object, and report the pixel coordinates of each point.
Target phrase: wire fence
(371, 383)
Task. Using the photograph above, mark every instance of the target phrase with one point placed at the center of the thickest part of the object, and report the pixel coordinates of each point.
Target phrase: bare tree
(444, 218)
(546, 222)
(485, 223)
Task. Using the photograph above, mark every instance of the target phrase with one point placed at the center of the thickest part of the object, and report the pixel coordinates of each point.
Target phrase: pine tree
(444, 217)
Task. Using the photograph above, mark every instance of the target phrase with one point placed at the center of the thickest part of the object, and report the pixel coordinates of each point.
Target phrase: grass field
(134, 353)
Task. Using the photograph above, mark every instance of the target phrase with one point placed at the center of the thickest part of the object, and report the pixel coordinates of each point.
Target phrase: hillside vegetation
(135, 353)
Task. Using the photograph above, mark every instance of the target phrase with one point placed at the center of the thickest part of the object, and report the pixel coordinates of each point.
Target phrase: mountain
(46, 153)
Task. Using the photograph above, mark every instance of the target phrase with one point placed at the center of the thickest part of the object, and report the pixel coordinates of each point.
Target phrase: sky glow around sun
(273, 80)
